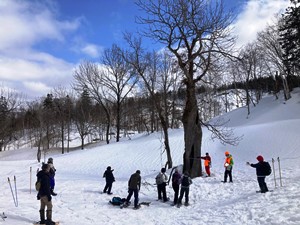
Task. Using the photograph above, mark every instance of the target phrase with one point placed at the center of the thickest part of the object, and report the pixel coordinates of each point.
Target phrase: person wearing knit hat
(52, 175)
(228, 167)
(263, 169)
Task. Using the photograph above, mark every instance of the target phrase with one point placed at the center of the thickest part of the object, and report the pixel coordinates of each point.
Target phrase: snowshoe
(3, 216)
(137, 207)
(145, 203)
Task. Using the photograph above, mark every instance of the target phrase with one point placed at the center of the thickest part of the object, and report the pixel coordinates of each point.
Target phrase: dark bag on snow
(266, 169)
(117, 201)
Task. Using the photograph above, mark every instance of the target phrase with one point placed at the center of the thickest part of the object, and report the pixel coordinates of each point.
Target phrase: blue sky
(42, 42)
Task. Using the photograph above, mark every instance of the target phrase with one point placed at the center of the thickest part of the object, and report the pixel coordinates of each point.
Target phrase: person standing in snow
(207, 163)
(228, 167)
(44, 195)
(109, 178)
(186, 181)
(176, 180)
(161, 181)
(134, 186)
(52, 175)
(261, 172)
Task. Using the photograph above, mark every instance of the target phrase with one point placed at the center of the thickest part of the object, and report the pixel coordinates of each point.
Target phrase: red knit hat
(260, 158)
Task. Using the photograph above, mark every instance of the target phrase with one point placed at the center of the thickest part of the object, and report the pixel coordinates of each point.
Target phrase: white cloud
(37, 88)
(24, 25)
(255, 16)
(91, 50)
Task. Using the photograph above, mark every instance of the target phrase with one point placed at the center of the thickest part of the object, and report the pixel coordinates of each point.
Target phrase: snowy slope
(272, 129)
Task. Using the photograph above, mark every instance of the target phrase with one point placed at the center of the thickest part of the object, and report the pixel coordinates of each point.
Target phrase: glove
(38, 197)
(49, 198)
(226, 164)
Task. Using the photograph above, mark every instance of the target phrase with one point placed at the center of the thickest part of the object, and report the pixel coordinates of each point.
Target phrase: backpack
(117, 201)
(38, 185)
(185, 181)
(176, 179)
(159, 179)
(266, 168)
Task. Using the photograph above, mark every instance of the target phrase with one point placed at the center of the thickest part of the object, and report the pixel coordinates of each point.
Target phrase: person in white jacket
(161, 181)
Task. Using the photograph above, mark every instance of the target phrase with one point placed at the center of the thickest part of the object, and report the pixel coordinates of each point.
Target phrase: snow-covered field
(272, 129)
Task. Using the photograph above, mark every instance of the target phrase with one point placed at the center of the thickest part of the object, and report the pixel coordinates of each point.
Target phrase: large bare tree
(155, 70)
(88, 76)
(196, 33)
(118, 80)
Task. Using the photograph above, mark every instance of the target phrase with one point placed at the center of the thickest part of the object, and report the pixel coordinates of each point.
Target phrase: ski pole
(273, 162)
(30, 175)
(12, 193)
(279, 171)
(15, 181)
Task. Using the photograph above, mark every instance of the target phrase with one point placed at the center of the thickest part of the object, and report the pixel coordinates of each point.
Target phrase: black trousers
(136, 196)
(161, 190)
(228, 173)
(176, 192)
(108, 187)
(184, 191)
(262, 184)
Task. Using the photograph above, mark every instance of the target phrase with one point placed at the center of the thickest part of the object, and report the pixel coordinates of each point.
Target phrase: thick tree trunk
(62, 137)
(192, 134)
(167, 147)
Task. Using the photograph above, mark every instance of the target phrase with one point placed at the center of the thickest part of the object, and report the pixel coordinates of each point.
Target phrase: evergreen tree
(290, 36)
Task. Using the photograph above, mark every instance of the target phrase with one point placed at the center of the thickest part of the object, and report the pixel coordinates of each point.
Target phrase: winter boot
(42, 216)
(50, 223)
(49, 218)
(52, 192)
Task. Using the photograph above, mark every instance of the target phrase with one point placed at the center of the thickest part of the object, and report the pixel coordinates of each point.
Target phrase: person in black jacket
(109, 178)
(44, 195)
(260, 172)
(134, 186)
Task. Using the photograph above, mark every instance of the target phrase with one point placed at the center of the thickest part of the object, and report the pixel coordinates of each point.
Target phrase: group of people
(177, 179)
(184, 180)
(260, 169)
(47, 181)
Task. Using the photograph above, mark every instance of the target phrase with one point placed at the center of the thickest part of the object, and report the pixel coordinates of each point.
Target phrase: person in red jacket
(207, 163)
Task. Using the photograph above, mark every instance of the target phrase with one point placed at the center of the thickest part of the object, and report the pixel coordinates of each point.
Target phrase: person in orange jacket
(207, 163)
(228, 167)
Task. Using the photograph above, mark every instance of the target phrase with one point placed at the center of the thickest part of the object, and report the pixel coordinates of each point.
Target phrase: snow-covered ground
(272, 130)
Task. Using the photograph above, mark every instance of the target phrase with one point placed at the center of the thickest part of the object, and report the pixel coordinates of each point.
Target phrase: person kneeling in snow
(263, 169)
